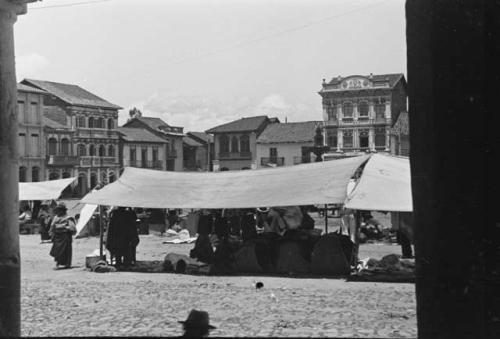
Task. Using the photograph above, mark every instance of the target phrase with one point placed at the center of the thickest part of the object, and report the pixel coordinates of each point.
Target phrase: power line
(272, 35)
(69, 5)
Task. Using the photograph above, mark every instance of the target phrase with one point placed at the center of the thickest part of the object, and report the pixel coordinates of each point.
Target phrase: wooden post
(101, 235)
(10, 261)
(357, 222)
(326, 219)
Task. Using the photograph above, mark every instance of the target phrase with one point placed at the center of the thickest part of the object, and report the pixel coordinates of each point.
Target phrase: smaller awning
(43, 190)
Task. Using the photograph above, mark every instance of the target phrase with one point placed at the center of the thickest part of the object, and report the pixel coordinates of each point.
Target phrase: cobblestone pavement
(77, 302)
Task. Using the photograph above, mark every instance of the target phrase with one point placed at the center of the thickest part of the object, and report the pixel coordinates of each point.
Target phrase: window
(380, 109)
(224, 144)
(53, 176)
(111, 123)
(155, 154)
(33, 113)
(81, 150)
(102, 151)
(363, 109)
(379, 137)
(234, 145)
(273, 152)
(35, 174)
(111, 151)
(245, 143)
(133, 155)
(347, 138)
(52, 146)
(331, 140)
(331, 111)
(91, 122)
(20, 111)
(92, 150)
(93, 180)
(101, 123)
(347, 110)
(363, 139)
(34, 146)
(22, 144)
(144, 156)
(80, 121)
(22, 174)
(65, 147)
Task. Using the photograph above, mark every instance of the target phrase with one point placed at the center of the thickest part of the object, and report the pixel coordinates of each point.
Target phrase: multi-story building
(141, 148)
(171, 134)
(31, 133)
(235, 143)
(61, 159)
(400, 136)
(95, 138)
(286, 144)
(198, 151)
(359, 111)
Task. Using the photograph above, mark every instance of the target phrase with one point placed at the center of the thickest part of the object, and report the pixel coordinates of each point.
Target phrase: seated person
(25, 216)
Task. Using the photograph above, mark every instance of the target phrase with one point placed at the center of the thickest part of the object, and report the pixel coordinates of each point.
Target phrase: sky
(202, 63)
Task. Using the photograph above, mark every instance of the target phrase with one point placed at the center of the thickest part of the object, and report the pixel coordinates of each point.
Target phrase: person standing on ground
(45, 219)
(117, 236)
(133, 236)
(61, 230)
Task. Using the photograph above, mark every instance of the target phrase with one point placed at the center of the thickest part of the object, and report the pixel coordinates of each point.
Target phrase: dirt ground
(77, 302)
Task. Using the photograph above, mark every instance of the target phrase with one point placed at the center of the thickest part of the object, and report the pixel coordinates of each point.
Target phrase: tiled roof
(191, 142)
(402, 125)
(392, 78)
(154, 123)
(158, 124)
(139, 135)
(289, 132)
(26, 88)
(71, 94)
(240, 125)
(53, 124)
(202, 136)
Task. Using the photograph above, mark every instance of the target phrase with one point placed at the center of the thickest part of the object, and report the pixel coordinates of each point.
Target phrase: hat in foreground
(197, 319)
(61, 206)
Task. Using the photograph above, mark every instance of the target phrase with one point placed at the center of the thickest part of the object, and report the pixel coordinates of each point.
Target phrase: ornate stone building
(359, 111)
(95, 139)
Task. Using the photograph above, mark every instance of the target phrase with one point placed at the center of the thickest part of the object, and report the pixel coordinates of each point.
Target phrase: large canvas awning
(305, 184)
(43, 190)
(385, 185)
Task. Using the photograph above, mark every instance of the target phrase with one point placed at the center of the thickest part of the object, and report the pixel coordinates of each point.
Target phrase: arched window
(35, 174)
(102, 151)
(245, 143)
(22, 174)
(380, 110)
(111, 151)
(111, 123)
(101, 123)
(224, 144)
(92, 150)
(91, 122)
(52, 146)
(66, 175)
(93, 180)
(81, 150)
(80, 121)
(65, 146)
(53, 176)
(347, 110)
(234, 145)
(363, 109)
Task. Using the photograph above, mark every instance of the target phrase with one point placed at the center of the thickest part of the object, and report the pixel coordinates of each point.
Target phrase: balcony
(91, 161)
(62, 160)
(151, 164)
(172, 154)
(278, 161)
(96, 133)
(235, 155)
(301, 160)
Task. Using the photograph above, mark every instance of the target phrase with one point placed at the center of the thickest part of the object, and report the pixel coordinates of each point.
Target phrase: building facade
(198, 151)
(141, 148)
(62, 162)
(358, 112)
(31, 133)
(400, 136)
(95, 139)
(172, 135)
(235, 143)
(286, 144)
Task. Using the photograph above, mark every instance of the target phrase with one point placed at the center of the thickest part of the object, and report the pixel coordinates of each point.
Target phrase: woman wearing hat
(62, 229)
(197, 324)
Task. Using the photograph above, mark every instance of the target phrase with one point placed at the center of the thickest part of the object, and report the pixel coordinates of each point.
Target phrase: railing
(96, 132)
(155, 164)
(278, 161)
(97, 161)
(301, 160)
(235, 155)
(171, 154)
(62, 160)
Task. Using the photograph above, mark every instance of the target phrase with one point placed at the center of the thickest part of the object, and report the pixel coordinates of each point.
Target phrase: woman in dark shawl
(61, 230)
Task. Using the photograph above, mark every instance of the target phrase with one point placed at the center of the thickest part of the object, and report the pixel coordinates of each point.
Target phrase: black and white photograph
(246, 168)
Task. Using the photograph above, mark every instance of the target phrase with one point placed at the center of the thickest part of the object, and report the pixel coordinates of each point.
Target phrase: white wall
(286, 150)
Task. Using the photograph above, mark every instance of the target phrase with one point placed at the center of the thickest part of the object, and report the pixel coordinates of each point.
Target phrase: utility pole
(10, 260)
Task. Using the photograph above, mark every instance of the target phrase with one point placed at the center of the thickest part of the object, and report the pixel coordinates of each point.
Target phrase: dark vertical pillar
(453, 81)
(9, 229)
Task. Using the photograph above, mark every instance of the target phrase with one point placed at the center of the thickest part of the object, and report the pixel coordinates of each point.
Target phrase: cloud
(199, 113)
(31, 66)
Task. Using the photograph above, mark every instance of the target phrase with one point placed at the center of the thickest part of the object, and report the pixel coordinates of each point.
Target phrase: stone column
(340, 140)
(387, 139)
(339, 112)
(88, 179)
(371, 110)
(371, 139)
(354, 111)
(388, 111)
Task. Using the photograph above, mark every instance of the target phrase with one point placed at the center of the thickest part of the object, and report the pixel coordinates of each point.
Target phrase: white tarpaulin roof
(385, 185)
(43, 190)
(305, 184)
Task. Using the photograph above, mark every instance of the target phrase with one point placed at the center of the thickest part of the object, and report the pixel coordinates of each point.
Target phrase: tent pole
(326, 219)
(357, 222)
(101, 235)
